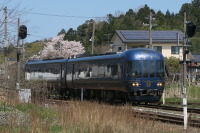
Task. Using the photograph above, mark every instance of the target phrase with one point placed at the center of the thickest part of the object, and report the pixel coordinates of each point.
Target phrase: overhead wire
(56, 15)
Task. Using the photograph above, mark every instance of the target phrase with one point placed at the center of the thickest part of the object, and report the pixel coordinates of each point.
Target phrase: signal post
(22, 34)
(189, 31)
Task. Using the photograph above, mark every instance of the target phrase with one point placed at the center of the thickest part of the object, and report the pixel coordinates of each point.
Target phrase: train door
(63, 73)
(70, 73)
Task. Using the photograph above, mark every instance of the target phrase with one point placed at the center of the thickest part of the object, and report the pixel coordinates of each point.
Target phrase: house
(193, 68)
(165, 42)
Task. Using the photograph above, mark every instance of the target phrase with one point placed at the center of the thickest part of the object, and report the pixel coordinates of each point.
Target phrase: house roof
(196, 57)
(142, 36)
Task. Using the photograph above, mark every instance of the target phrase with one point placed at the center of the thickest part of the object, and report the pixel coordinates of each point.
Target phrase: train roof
(41, 61)
(142, 54)
(131, 54)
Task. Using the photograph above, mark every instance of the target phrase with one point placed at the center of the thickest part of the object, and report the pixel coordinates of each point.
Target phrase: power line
(38, 36)
(56, 15)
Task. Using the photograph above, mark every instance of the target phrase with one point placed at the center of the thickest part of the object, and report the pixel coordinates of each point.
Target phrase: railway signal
(22, 32)
(190, 29)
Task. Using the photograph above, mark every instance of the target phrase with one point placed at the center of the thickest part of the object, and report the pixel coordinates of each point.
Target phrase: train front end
(144, 75)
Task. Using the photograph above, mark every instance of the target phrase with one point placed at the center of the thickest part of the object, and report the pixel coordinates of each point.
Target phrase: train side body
(137, 72)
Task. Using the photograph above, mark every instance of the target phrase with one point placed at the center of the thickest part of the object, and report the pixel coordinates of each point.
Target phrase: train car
(136, 75)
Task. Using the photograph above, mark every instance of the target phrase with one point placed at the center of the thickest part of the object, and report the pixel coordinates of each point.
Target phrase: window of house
(158, 48)
(174, 50)
(119, 48)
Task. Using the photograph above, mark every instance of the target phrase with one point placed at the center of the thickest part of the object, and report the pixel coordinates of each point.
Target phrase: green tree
(160, 20)
(195, 45)
(70, 35)
(61, 32)
(143, 13)
(173, 65)
(195, 11)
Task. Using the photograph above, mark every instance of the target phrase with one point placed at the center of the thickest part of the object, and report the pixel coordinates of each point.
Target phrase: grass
(77, 117)
(173, 93)
(85, 117)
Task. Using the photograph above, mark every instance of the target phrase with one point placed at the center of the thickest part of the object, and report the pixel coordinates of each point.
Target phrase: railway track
(179, 103)
(190, 110)
(166, 117)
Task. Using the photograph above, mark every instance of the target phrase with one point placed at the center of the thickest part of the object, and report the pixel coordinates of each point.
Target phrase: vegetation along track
(157, 115)
(154, 115)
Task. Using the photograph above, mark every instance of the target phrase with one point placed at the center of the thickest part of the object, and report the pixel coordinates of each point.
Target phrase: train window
(151, 65)
(129, 70)
(133, 69)
(145, 68)
(84, 70)
(114, 69)
(81, 72)
(95, 70)
(160, 68)
(137, 68)
(108, 71)
(101, 70)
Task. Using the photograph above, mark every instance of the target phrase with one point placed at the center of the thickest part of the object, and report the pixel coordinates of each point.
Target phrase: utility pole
(150, 28)
(150, 33)
(5, 28)
(18, 61)
(5, 43)
(184, 96)
(93, 34)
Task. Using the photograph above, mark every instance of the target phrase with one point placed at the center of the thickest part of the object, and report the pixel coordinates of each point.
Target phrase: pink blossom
(58, 47)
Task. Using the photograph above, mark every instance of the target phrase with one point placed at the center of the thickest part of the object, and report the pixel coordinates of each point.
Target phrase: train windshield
(160, 68)
(133, 69)
(145, 68)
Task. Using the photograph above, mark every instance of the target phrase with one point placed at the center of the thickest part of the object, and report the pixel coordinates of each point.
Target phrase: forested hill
(132, 20)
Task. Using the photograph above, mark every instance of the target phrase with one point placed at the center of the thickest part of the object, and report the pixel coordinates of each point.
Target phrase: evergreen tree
(61, 32)
(70, 35)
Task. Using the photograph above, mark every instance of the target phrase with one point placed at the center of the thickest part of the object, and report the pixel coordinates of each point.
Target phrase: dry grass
(79, 117)
(87, 117)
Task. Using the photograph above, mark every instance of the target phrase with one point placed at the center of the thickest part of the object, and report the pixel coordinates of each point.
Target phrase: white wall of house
(167, 51)
(118, 43)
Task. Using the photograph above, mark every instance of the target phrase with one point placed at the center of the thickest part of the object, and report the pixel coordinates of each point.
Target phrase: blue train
(136, 75)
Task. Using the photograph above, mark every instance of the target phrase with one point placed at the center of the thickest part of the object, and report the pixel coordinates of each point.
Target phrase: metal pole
(177, 39)
(81, 94)
(93, 32)
(184, 96)
(18, 62)
(5, 29)
(150, 27)
(23, 50)
(5, 43)
(163, 97)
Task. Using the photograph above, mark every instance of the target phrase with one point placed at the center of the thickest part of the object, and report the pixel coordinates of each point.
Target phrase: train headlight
(135, 84)
(159, 84)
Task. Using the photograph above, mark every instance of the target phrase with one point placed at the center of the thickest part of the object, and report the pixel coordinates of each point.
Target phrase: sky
(65, 14)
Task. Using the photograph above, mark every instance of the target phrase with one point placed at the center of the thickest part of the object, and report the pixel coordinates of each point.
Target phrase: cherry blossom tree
(58, 47)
